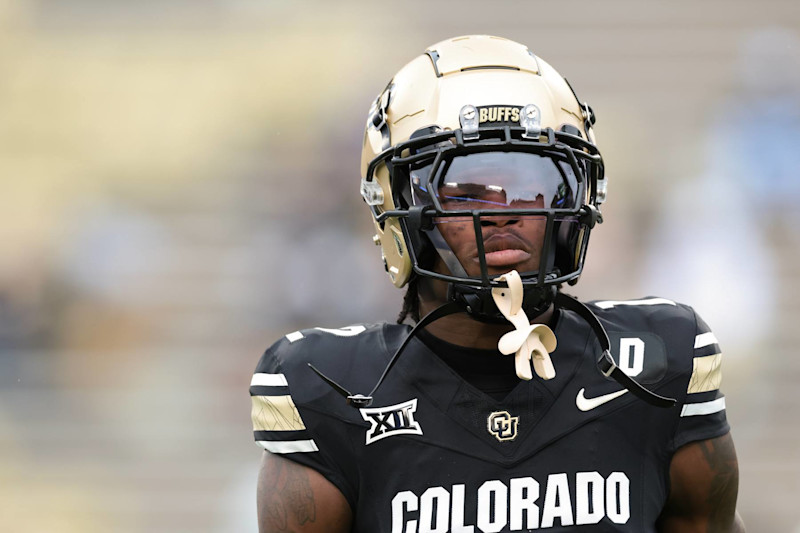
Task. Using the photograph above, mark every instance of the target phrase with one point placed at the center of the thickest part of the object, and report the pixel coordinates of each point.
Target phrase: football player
(509, 406)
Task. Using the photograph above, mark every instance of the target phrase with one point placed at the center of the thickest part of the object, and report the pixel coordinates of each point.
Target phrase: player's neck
(460, 328)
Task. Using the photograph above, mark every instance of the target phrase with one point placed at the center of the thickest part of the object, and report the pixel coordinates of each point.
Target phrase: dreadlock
(410, 302)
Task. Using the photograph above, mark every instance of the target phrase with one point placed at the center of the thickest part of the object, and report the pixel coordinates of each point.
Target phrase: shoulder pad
(651, 338)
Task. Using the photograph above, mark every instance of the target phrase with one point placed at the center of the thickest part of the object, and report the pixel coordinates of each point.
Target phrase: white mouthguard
(531, 342)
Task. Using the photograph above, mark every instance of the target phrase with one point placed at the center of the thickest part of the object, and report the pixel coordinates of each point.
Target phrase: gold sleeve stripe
(275, 413)
(707, 374)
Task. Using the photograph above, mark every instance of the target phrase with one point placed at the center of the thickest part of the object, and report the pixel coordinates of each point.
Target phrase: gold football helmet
(475, 134)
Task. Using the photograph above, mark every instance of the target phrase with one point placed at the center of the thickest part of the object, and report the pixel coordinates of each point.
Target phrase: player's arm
(704, 478)
(295, 498)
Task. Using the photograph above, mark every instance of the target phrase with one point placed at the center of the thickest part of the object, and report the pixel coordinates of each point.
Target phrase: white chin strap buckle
(531, 342)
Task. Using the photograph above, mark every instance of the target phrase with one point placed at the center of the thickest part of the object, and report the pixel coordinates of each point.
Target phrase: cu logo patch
(391, 420)
(502, 425)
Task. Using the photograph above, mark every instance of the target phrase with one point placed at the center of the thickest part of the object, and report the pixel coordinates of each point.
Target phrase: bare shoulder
(704, 479)
(295, 498)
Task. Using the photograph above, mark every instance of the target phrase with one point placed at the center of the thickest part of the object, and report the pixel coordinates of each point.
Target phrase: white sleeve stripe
(269, 380)
(705, 339)
(294, 336)
(608, 304)
(704, 408)
(288, 446)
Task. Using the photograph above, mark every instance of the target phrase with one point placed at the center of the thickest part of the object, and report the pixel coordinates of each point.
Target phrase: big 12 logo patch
(391, 420)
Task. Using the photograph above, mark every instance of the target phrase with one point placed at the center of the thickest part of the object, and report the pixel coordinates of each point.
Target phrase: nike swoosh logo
(587, 404)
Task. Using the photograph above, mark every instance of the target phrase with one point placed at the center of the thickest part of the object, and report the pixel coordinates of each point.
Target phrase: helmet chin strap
(532, 343)
(479, 302)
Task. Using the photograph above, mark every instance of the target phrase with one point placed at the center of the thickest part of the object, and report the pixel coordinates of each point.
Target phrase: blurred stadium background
(180, 188)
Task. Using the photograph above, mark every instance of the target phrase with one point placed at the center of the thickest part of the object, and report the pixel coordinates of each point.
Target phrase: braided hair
(410, 302)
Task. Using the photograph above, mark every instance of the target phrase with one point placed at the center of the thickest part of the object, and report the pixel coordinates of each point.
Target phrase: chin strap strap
(605, 363)
(532, 343)
(359, 400)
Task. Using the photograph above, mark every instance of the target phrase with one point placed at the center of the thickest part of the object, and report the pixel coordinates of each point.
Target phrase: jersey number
(631, 355)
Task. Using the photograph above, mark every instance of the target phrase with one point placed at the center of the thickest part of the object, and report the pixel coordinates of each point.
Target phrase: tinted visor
(499, 180)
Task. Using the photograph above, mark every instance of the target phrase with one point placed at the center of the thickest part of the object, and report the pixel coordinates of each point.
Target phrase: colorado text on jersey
(521, 504)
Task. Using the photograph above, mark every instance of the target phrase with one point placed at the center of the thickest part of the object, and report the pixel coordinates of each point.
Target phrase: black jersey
(434, 454)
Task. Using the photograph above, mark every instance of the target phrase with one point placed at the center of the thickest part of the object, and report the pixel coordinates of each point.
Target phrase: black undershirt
(489, 371)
